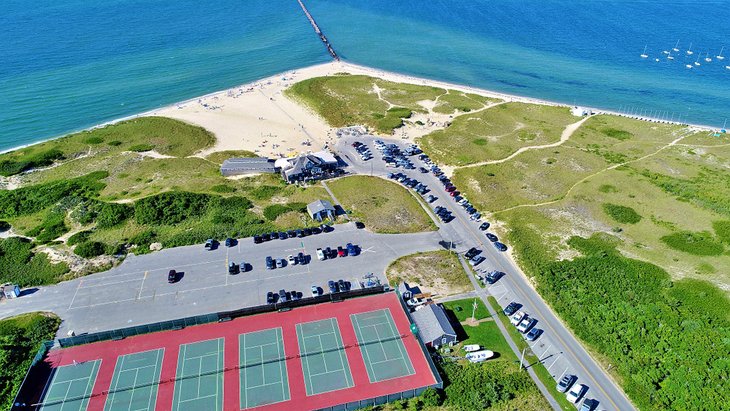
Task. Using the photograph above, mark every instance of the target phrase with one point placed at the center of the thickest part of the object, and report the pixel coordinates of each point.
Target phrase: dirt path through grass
(564, 136)
(586, 178)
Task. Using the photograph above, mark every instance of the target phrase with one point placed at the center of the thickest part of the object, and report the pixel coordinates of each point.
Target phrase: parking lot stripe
(141, 287)
(74, 297)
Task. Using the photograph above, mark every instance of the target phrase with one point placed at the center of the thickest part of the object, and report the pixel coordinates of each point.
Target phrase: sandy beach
(258, 117)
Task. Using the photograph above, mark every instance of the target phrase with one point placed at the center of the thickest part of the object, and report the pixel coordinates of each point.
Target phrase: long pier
(321, 35)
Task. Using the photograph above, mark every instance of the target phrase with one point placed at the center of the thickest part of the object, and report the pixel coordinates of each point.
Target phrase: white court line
(401, 346)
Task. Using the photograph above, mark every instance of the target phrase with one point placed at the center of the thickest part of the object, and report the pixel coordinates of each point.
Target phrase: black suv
(473, 252)
(270, 298)
(172, 276)
(512, 308)
(270, 264)
(493, 277)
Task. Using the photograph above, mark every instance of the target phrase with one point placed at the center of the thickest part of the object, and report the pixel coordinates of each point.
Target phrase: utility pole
(522, 358)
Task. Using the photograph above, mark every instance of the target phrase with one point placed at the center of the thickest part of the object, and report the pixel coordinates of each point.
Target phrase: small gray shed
(321, 209)
(240, 166)
(434, 326)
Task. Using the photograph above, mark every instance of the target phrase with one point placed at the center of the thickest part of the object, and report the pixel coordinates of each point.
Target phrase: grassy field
(496, 133)
(437, 272)
(382, 106)
(383, 206)
(20, 338)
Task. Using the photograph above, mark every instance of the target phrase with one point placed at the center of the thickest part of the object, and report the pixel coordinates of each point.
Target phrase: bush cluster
(700, 243)
(20, 338)
(170, 208)
(20, 265)
(29, 161)
(90, 249)
(622, 214)
(273, 211)
(661, 336)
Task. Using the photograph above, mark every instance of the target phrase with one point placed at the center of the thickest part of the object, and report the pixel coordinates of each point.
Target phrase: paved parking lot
(556, 348)
(137, 292)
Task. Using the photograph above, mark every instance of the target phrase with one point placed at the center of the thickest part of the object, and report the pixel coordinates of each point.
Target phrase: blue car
(491, 237)
(499, 246)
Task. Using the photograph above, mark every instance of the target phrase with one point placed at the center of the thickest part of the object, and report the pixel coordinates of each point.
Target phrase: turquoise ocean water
(71, 64)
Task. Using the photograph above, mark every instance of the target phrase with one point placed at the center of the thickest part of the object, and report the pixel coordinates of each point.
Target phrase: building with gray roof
(434, 326)
(240, 166)
(321, 209)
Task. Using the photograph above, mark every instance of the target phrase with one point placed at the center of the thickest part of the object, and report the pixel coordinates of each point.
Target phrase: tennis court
(324, 361)
(381, 346)
(71, 387)
(199, 378)
(135, 382)
(263, 374)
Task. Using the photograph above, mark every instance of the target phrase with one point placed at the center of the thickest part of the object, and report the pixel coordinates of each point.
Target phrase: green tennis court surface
(199, 378)
(381, 346)
(263, 368)
(71, 387)
(135, 381)
(323, 357)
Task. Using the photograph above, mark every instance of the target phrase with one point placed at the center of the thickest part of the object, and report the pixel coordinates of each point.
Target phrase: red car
(341, 252)
(450, 189)
(454, 193)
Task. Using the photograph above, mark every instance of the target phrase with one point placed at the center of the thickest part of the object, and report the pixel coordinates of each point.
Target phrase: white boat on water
(479, 356)
(670, 57)
(689, 66)
(472, 347)
(676, 46)
(720, 56)
(727, 67)
(707, 57)
(697, 63)
(689, 50)
(643, 54)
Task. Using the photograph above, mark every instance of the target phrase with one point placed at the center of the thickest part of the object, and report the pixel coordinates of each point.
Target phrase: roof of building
(326, 156)
(248, 164)
(432, 322)
(319, 206)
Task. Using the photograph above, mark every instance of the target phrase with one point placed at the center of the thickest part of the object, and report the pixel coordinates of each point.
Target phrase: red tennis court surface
(298, 345)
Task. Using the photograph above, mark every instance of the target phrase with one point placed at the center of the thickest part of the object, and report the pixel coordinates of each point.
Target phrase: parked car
(576, 393)
(589, 404)
(320, 255)
(280, 262)
(232, 268)
(526, 325)
(517, 318)
(274, 235)
(326, 228)
(351, 249)
(291, 233)
(341, 252)
(491, 237)
(171, 276)
(342, 285)
(359, 225)
(292, 260)
(282, 296)
(270, 264)
(332, 286)
(301, 258)
(499, 246)
(477, 260)
(243, 267)
(257, 239)
(512, 308)
(270, 298)
(472, 252)
(493, 276)
(316, 230)
(209, 244)
(266, 237)
(315, 291)
(283, 235)
(533, 334)
(431, 198)
(566, 382)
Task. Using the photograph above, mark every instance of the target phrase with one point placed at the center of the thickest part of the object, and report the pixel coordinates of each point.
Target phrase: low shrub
(722, 230)
(273, 211)
(222, 188)
(141, 148)
(621, 214)
(697, 243)
(170, 208)
(115, 143)
(94, 140)
(112, 214)
(90, 249)
(80, 237)
(4, 226)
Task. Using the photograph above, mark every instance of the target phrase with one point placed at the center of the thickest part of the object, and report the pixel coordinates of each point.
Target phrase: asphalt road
(557, 348)
(136, 292)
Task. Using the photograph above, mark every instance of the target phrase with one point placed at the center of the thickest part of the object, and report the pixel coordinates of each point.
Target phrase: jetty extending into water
(321, 35)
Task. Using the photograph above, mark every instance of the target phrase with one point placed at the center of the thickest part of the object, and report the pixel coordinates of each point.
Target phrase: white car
(576, 393)
(320, 254)
(315, 291)
(518, 317)
(292, 260)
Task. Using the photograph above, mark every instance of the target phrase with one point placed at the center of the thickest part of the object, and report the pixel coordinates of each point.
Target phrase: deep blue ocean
(70, 64)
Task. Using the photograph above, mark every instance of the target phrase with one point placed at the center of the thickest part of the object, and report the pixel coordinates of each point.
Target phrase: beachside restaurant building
(309, 167)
